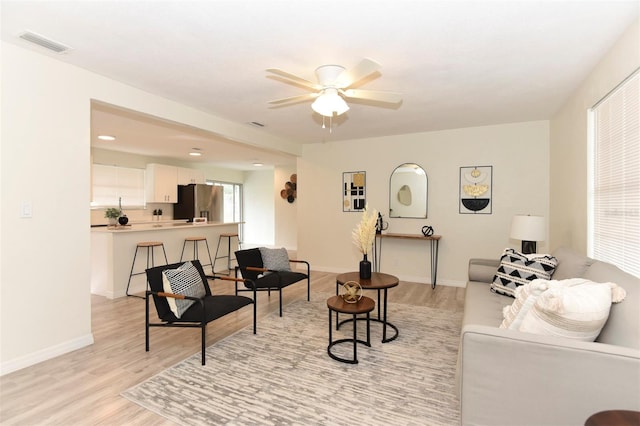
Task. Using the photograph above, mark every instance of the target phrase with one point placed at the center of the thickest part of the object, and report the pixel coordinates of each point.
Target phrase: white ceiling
(457, 63)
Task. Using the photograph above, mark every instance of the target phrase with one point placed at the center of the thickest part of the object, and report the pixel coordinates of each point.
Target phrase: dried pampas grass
(365, 231)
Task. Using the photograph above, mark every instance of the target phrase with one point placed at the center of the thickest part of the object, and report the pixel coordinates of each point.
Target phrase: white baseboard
(45, 354)
(104, 293)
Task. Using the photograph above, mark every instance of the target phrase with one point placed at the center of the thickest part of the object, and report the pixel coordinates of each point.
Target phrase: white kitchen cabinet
(161, 183)
(189, 176)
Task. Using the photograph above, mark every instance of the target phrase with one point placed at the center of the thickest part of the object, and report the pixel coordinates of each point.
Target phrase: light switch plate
(27, 209)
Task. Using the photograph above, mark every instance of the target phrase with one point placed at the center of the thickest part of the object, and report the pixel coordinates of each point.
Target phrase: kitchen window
(614, 177)
(232, 200)
(114, 184)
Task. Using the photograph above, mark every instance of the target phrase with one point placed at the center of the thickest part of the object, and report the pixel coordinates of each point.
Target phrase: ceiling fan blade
(360, 71)
(294, 78)
(373, 95)
(293, 99)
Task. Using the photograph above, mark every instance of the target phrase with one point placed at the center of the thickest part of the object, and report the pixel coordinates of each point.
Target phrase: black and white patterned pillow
(184, 280)
(275, 259)
(517, 269)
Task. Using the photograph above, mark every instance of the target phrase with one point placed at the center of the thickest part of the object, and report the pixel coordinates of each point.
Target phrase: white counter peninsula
(112, 250)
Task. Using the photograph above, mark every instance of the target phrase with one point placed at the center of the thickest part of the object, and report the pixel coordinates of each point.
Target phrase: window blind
(615, 177)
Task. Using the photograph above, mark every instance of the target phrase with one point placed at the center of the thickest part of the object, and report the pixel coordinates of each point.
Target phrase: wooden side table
(614, 417)
(378, 281)
(434, 241)
(363, 306)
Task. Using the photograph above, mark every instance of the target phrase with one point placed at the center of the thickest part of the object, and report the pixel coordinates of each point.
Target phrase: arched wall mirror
(408, 192)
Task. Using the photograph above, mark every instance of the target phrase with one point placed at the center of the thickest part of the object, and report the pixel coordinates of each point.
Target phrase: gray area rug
(283, 375)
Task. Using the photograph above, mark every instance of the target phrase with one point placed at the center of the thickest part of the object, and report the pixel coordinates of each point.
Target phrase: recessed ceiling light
(257, 164)
(107, 138)
(195, 154)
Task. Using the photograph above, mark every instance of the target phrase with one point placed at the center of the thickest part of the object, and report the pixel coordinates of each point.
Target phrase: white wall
(519, 154)
(286, 214)
(568, 197)
(45, 278)
(45, 305)
(259, 214)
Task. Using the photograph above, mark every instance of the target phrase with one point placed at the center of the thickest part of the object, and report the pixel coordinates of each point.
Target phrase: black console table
(433, 240)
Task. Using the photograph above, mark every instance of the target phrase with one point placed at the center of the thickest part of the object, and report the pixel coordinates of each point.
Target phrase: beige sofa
(508, 377)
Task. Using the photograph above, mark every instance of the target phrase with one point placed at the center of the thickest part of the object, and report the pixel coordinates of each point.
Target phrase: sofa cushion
(481, 306)
(623, 326)
(517, 269)
(575, 309)
(571, 264)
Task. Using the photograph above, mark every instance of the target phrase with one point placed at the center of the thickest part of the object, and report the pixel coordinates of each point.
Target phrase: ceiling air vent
(42, 41)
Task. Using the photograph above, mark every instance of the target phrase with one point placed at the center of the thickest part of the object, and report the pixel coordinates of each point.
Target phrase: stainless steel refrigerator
(199, 200)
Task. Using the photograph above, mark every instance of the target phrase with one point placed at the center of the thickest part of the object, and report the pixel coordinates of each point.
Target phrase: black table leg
(434, 262)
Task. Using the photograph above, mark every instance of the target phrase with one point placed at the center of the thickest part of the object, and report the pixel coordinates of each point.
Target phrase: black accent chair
(252, 269)
(201, 313)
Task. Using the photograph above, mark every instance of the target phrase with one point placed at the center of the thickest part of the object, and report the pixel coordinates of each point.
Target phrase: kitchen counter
(113, 247)
(156, 226)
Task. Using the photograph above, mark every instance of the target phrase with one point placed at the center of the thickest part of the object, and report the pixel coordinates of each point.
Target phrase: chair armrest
(225, 278)
(510, 377)
(174, 295)
(248, 282)
(302, 261)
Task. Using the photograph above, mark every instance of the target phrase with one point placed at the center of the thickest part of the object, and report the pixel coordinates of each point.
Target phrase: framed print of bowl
(476, 188)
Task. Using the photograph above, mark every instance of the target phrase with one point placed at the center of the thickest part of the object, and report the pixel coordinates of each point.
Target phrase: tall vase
(365, 268)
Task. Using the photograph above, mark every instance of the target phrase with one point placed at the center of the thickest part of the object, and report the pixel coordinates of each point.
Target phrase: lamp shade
(528, 228)
(329, 102)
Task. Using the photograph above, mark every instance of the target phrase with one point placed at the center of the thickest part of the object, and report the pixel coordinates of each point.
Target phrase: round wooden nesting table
(380, 282)
(363, 306)
(614, 417)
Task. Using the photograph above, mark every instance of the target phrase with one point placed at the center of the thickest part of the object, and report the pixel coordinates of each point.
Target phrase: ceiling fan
(334, 84)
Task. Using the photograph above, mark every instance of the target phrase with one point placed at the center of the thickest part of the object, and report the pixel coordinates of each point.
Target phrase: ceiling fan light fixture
(330, 102)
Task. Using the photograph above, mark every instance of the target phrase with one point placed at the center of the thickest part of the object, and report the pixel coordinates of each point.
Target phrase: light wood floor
(83, 387)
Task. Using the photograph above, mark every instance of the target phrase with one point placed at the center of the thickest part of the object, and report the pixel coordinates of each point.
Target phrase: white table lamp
(529, 229)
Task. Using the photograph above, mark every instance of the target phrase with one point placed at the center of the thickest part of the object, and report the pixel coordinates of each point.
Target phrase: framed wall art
(354, 191)
(476, 188)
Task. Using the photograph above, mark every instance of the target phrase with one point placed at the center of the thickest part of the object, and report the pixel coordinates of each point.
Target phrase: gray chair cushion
(275, 259)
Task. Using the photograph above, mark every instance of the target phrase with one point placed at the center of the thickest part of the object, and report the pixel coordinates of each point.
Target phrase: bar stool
(195, 241)
(149, 245)
(228, 236)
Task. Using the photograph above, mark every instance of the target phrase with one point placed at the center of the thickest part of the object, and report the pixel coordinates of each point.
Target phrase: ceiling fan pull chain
(323, 126)
(330, 124)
